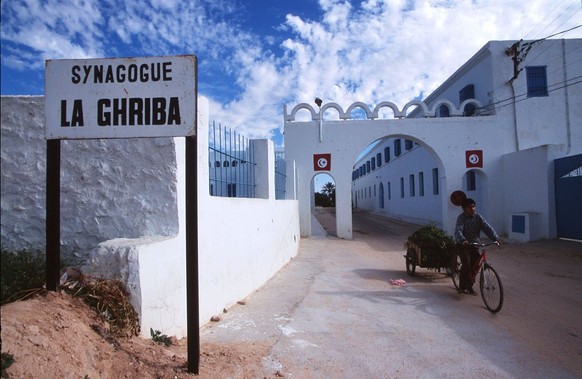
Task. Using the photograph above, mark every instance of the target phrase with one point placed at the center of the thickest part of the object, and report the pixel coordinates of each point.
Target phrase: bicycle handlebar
(485, 244)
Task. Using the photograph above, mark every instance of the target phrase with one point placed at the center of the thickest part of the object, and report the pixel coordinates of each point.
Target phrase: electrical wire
(555, 8)
(522, 97)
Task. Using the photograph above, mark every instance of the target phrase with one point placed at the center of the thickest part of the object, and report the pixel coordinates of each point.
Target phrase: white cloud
(345, 51)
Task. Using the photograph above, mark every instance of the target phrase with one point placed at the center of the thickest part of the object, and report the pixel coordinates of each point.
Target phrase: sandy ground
(332, 312)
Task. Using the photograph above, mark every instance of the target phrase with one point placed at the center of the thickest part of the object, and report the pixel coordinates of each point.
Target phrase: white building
(498, 129)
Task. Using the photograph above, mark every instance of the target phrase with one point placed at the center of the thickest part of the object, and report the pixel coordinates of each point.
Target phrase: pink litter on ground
(397, 282)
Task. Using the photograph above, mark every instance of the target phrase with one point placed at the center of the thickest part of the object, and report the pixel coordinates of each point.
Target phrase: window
(468, 92)
(389, 192)
(217, 164)
(537, 81)
(435, 181)
(379, 159)
(226, 164)
(421, 183)
(397, 147)
(374, 190)
(387, 154)
(367, 167)
(373, 160)
(402, 187)
(408, 144)
(471, 181)
(411, 184)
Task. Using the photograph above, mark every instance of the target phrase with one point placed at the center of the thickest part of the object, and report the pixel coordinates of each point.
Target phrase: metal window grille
(537, 82)
(232, 163)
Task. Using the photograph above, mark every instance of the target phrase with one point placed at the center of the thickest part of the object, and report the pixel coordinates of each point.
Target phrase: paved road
(332, 312)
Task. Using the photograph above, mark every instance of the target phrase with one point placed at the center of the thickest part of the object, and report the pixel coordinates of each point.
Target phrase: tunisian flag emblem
(321, 162)
(474, 158)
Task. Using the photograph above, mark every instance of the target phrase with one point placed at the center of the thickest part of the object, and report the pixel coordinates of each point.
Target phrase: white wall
(109, 188)
(420, 209)
(139, 185)
(531, 181)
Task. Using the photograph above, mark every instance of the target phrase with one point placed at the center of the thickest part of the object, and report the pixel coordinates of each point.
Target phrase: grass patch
(21, 273)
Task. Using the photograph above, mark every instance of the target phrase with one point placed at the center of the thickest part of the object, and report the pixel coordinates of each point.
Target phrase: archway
(323, 204)
(398, 176)
(344, 139)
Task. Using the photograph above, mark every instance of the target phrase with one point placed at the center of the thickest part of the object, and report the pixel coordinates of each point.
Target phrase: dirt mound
(56, 335)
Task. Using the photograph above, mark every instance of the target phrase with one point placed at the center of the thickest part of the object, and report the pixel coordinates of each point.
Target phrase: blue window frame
(397, 147)
(468, 92)
(411, 185)
(421, 183)
(373, 160)
(387, 154)
(537, 81)
(379, 159)
(367, 167)
(435, 181)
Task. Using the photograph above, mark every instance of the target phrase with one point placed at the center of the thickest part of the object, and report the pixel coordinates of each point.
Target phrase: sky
(256, 56)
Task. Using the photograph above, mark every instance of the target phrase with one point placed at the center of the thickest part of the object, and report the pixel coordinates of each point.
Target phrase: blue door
(568, 185)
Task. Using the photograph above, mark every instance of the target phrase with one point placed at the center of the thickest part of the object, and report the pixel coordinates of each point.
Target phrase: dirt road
(332, 312)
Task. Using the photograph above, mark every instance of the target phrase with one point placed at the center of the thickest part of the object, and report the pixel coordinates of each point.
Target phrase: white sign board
(120, 97)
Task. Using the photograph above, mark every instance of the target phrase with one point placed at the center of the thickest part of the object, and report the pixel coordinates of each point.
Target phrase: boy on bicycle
(469, 226)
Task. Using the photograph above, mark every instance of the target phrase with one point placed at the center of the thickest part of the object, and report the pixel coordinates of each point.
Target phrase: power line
(556, 7)
(523, 96)
(560, 15)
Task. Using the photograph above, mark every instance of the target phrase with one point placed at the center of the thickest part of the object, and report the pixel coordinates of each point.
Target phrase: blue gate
(568, 184)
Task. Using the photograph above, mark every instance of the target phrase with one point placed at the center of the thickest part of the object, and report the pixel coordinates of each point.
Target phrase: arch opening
(399, 176)
(323, 194)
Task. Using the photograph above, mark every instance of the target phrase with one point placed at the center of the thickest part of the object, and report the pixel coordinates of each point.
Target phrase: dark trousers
(469, 265)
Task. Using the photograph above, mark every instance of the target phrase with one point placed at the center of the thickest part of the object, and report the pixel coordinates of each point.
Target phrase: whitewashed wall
(109, 188)
(419, 208)
(242, 242)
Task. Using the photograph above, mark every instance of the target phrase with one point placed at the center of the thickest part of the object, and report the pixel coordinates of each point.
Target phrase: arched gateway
(332, 146)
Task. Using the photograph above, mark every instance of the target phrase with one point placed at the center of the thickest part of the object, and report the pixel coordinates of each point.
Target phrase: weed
(21, 271)
(7, 361)
(160, 338)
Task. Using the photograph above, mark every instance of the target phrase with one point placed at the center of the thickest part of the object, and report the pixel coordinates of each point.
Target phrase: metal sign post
(125, 98)
(53, 213)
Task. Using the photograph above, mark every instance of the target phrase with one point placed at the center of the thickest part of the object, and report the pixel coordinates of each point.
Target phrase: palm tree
(329, 190)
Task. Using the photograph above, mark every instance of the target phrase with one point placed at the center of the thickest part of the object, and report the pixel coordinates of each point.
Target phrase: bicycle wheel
(456, 270)
(410, 262)
(491, 288)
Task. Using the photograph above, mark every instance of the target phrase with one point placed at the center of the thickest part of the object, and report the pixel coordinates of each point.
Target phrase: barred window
(537, 81)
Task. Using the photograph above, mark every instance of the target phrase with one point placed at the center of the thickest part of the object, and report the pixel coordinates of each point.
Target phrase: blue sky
(256, 56)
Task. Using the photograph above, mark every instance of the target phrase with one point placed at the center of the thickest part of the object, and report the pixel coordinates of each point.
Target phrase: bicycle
(489, 281)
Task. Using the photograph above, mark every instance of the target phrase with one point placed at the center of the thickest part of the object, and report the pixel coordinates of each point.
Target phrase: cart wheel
(410, 262)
